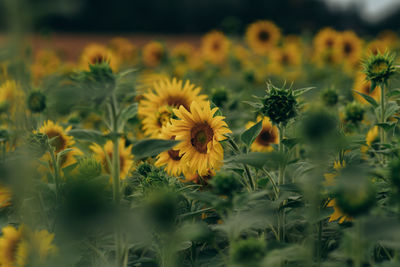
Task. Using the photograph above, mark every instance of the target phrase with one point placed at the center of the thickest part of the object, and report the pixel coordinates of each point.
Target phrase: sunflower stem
(55, 169)
(382, 118)
(251, 182)
(281, 181)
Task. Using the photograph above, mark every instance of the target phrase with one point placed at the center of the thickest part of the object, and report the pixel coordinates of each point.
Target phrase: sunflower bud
(249, 252)
(219, 96)
(330, 97)
(319, 125)
(379, 68)
(144, 169)
(89, 168)
(36, 102)
(224, 184)
(280, 105)
(354, 112)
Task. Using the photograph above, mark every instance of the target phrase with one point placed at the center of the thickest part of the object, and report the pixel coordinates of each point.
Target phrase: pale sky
(371, 10)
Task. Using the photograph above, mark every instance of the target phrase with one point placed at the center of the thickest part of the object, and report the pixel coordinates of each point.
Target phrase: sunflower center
(329, 43)
(285, 60)
(216, 46)
(157, 55)
(163, 118)
(201, 135)
(263, 36)
(348, 48)
(174, 155)
(59, 142)
(266, 137)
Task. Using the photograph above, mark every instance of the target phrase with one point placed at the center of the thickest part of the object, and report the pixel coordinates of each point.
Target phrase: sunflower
(14, 247)
(200, 132)
(156, 106)
(61, 140)
(42, 244)
(325, 40)
(103, 154)
(337, 214)
(153, 53)
(363, 86)
(215, 47)
(372, 135)
(261, 36)
(348, 48)
(171, 160)
(5, 196)
(182, 52)
(97, 53)
(146, 80)
(46, 62)
(12, 98)
(124, 49)
(269, 135)
(287, 57)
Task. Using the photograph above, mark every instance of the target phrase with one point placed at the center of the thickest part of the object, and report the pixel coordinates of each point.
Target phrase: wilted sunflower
(200, 132)
(124, 49)
(125, 157)
(153, 53)
(156, 106)
(170, 160)
(269, 135)
(5, 196)
(337, 214)
(12, 98)
(348, 48)
(261, 36)
(363, 86)
(97, 53)
(215, 47)
(14, 247)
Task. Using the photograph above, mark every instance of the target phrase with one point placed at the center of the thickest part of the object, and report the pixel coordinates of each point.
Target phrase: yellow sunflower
(156, 106)
(46, 62)
(97, 53)
(377, 46)
(325, 39)
(348, 48)
(12, 98)
(146, 80)
(14, 248)
(124, 49)
(5, 197)
(152, 54)
(61, 140)
(215, 47)
(200, 132)
(269, 135)
(261, 36)
(363, 86)
(337, 214)
(170, 160)
(125, 157)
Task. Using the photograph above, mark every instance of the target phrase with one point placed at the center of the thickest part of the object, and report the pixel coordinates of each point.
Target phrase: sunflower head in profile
(97, 54)
(268, 136)
(156, 106)
(363, 86)
(153, 54)
(14, 248)
(200, 133)
(170, 160)
(215, 47)
(105, 154)
(261, 36)
(348, 48)
(124, 49)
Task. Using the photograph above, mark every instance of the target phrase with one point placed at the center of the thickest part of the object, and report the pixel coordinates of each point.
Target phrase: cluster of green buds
(279, 104)
(379, 68)
(354, 112)
(330, 97)
(89, 167)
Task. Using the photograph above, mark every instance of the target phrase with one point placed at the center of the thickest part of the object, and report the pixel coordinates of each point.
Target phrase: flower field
(265, 149)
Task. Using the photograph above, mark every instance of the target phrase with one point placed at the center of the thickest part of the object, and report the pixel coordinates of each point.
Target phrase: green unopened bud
(379, 68)
(249, 252)
(354, 112)
(219, 96)
(224, 184)
(249, 76)
(89, 168)
(280, 105)
(144, 169)
(330, 97)
(36, 102)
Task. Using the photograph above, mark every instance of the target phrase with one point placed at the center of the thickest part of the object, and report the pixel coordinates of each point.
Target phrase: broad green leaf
(253, 104)
(387, 125)
(151, 147)
(251, 134)
(88, 135)
(391, 109)
(290, 142)
(128, 112)
(368, 98)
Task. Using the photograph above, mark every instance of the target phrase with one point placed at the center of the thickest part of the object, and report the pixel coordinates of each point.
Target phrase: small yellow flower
(152, 54)
(261, 36)
(215, 47)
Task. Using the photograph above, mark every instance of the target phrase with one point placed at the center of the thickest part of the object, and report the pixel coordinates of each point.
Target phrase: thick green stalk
(281, 181)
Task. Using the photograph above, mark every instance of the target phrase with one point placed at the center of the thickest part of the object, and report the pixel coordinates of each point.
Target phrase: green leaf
(89, 135)
(368, 98)
(253, 104)
(251, 134)
(258, 159)
(391, 109)
(387, 125)
(128, 112)
(290, 142)
(301, 91)
(393, 93)
(151, 147)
